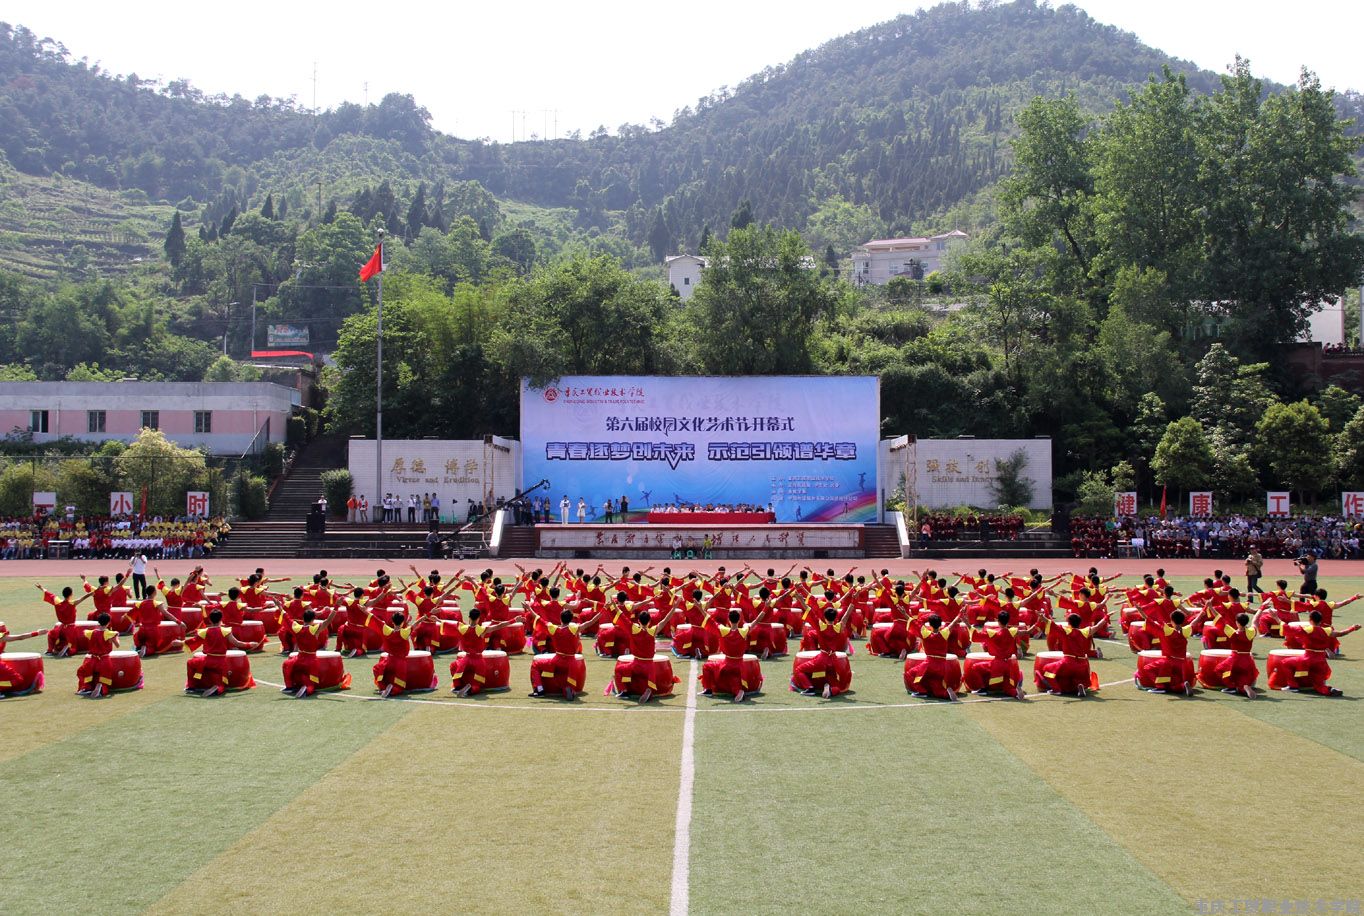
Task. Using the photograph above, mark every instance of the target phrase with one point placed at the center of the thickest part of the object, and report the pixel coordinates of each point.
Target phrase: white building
(223, 418)
(960, 472)
(879, 260)
(1326, 325)
(684, 272)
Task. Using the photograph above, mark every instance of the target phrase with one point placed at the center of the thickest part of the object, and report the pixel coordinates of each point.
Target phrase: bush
(337, 486)
(272, 460)
(252, 502)
(296, 431)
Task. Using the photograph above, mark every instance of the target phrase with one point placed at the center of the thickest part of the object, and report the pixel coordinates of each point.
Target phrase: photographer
(1307, 564)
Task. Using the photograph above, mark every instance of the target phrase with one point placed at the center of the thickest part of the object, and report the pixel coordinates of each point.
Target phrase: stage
(697, 542)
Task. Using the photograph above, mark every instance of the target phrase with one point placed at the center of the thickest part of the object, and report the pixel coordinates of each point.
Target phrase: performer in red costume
(208, 671)
(150, 638)
(60, 636)
(727, 674)
(95, 676)
(469, 668)
(826, 673)
(562, 667)
(308, 636)
(1313, 673)
(1068, 674)
(1002, 674)
(934, 675)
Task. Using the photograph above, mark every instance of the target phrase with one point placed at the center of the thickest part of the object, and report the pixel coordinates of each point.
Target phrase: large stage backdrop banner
(806, 445)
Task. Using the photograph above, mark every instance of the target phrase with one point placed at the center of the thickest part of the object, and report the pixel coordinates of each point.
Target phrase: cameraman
(1307, 563)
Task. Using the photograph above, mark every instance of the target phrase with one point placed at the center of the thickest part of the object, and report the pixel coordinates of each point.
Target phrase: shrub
(338, 486)
(272, 460)
(296, 431)
(252, 502)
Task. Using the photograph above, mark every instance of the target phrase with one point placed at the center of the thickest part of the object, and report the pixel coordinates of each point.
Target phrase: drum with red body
(1128, 616)
(750, 670)
(842, 669)
(630, 677)
(191, 616)
(688, 640)
(1150, 666)
(577, 671)
(421, 671)
(125, 667)
(498, 669)
(612, 641)
(239, 671)
(79, 636)
(252, 631)
(446, 637)
(1208, 660)
(1288, 668)
(120, 619)
(975, 668)
(511, 640)
(168, 633)
(29, 668)
(268, 617)
(450, 612)
(1292, 635)
(876, 643)
(778, 640)
(331, 671)
(915, 662)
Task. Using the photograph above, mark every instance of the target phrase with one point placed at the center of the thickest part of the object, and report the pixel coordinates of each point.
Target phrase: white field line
(682, 831)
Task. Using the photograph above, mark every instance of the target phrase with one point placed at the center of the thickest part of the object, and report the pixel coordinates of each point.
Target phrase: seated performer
(208, 669)
(1002, 674)
(1238, 672)
(933, 674)
(1315, 673)
(728, 673)
(150, 638)
(898, 642)
(307, 635)
(290, 612)
(390, 671)
(1069, 673)
(351, 639)
(642, 676)
(469, 668)
(11, 681)
(95, 676)
(1276, 609)
(1316, 602)
(60, 636)
(1176, 672)
(825, 673)
(562, 667)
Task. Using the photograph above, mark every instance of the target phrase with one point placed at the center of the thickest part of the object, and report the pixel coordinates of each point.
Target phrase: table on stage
(711, 518)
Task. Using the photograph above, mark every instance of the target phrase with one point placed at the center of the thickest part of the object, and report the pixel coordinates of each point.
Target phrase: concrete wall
(958, 472)
(456, 470)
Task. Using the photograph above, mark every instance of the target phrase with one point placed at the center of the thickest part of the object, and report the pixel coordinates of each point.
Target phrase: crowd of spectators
(710, 507)
(970, 527)
(103, 537)
(1327, 537)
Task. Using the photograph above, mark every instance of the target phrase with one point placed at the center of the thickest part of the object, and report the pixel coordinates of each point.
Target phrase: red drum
(883, 615)
(29, 668)
(975, 668)
(716, 678)
(920, 676)
(547, 673)
(1139, 639)
(1128, 616)
(168, 633)
(778, 645)
(120, 619)
(635, 675)
(421, 670)
(1290, 668)
(511, 640)
(213, 597)
(498, 676)
(685, 638)
(80, 635)
(268, 617)
(838, 674)
(1151, 669)
(1208, 660)
(450, 612)
(446, 638)
(1292, 635)
(331, 671)
(610, 643)
(249, 631)
(239, 671)
(191, 616)
(876, 643)
(125, 667)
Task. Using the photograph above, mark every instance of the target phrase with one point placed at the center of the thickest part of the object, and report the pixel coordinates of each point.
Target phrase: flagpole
(379, 388)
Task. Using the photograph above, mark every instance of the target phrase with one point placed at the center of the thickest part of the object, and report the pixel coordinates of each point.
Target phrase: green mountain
(907, 121)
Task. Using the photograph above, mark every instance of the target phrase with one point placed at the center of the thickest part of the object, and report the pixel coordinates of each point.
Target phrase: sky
(537, 69)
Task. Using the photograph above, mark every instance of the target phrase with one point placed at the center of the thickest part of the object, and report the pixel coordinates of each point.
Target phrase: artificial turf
(1124, 803)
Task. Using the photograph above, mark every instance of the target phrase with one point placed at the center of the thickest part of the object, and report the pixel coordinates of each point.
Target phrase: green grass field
(1123, 803)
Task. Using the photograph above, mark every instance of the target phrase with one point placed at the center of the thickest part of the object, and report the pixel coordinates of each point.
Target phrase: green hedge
(338, 486)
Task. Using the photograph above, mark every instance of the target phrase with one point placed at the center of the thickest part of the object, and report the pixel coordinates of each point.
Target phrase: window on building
(37, 421)
(94, 421)
(686, 281)
(151, 419)
(203, 421)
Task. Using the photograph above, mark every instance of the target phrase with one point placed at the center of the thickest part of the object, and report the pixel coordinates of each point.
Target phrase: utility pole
(379, 384)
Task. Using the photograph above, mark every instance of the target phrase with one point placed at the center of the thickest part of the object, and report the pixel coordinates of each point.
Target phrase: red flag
(375, 265)
(1162, 502)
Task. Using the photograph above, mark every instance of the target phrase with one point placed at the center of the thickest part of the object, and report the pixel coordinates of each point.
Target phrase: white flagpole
(379, 389)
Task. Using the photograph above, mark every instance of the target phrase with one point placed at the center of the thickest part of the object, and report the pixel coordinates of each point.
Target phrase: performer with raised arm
(1312, 672)
(1176, 671)
(150, 638)
(308, 636)
(563, 667)
(731, 673)
(12, 682)
(827, 671)
(208, 669)
(95, 676)
(1067, 672)
(61, 636)
(643, 676)
(1002, 674)
(931, 672)
(470, 668)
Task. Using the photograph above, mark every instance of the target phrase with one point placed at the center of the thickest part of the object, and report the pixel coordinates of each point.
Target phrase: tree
(153, 464)
(416, 213)
(225, 227)
(1230, 398)
(517, 246)
(1293, 440)
(267, 209)
(1009, 487)
(743, 215)
(755, 310)
(1337, 406)
(1349, 452)
(175, 241)
(660, 238)
(1275, 181)
(1183, 459)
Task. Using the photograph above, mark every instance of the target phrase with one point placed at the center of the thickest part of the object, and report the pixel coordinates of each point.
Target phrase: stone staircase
(283, 530)
(517, 542)
(880, 541)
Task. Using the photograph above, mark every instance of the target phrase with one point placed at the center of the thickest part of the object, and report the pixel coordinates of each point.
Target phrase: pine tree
(283, 208)
(268, 209)
(175, 241)
(743, 215)
(416, 214)
(705, 240)
(330, 216)
(228, 220)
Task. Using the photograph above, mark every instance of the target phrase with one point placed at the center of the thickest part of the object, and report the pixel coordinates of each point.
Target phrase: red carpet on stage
(711, 518)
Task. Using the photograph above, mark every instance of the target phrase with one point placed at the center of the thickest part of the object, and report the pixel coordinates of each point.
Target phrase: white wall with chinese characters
(959, 472)
(455, 470)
